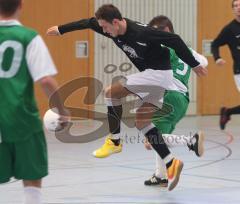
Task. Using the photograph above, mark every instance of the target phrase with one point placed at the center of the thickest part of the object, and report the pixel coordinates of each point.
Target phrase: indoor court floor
(77, 177)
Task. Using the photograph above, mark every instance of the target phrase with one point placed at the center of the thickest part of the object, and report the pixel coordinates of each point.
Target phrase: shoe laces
(191, 143)
(190, 147)
(108, 142)
(154, 179)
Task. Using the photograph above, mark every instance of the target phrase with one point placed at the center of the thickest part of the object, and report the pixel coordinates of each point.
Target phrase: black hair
(161, 22)
(9, 7)
(108, 12)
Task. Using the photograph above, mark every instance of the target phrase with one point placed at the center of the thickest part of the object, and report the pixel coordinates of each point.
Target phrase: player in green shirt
(24, 59)
(178, 101)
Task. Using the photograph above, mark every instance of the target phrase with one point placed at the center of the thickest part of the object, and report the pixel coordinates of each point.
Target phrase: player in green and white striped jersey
(178, 102)
(24, 59)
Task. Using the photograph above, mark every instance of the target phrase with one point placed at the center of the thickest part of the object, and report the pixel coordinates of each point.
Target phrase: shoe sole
(104, 156)
(201, 143)
(177, 177)
(163, 185)
(160, 185)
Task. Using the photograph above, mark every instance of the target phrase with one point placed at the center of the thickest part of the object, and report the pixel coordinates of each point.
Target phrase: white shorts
(237, 81)
(150, 85)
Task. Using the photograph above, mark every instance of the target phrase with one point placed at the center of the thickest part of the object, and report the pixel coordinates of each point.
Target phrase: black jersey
(141, 43)
(230, 35)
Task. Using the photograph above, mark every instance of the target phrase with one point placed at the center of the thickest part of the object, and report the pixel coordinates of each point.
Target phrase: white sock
(32, 195)
(161, 170)
(176, 140)
(116, 136)
(113, 101)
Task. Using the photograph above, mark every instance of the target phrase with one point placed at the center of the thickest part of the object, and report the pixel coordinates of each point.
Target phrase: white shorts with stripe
(150, 85)
(237, 81)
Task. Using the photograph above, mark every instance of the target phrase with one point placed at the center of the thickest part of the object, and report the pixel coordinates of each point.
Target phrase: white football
(51, 120)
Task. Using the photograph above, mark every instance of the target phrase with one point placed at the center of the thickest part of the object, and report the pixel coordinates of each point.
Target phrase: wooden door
(218, 88)
(40, 15)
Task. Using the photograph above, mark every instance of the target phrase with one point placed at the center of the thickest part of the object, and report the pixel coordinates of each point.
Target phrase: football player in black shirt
(230, 35)
(143, 46)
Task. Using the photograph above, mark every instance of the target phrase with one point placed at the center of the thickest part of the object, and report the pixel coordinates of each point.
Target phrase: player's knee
(33, 183)
(108, 92)
(138, 124)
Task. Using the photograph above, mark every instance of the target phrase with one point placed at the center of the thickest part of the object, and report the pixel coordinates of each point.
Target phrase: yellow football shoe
(107, 149)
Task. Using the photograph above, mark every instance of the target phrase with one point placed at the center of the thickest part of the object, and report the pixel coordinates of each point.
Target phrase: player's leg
(32, 191)
(160, 175)
(194, 142)
(156, 82)
(174, 109)
(147, 128)
(165, 120)
(225, 113)
(31, 165)
(113, 95)
(137, 84)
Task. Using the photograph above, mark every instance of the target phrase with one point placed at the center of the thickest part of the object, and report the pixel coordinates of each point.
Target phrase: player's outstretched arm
(90, 23)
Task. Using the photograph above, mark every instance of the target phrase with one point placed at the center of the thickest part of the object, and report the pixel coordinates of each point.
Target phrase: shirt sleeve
(173, 41)
(221, 40)
(90, 23)
(39, 61)
(200, 58)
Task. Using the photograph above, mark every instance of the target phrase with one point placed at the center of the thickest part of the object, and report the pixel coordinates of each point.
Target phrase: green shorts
(174, 109)
(26, 160)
